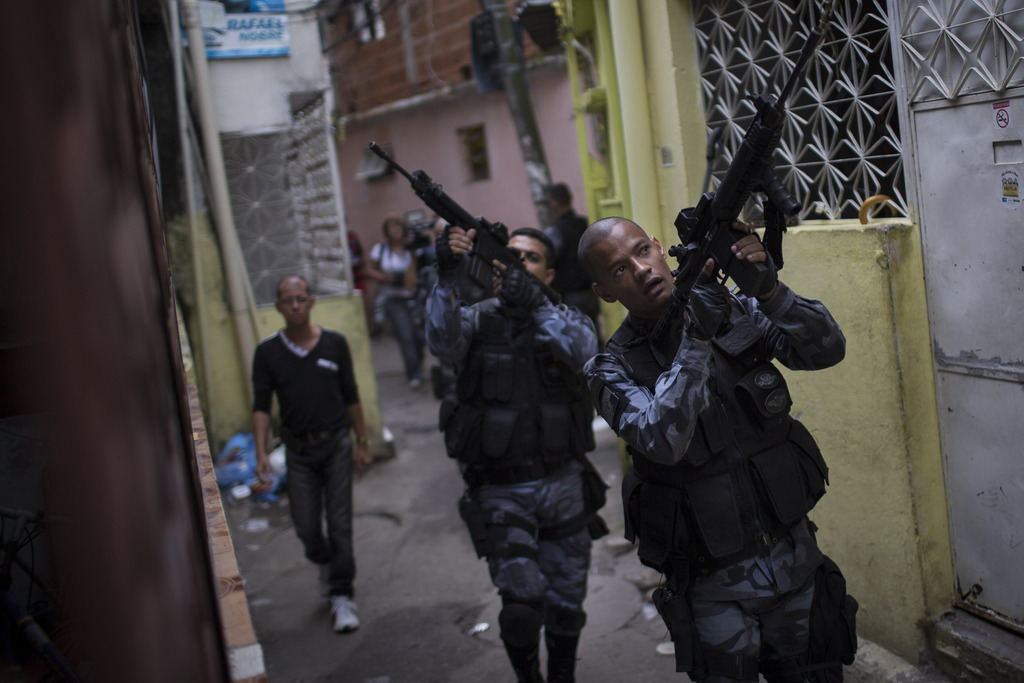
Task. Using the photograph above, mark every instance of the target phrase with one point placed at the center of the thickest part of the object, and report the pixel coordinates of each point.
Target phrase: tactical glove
(706, 310)
(519, 288)
(447, 260)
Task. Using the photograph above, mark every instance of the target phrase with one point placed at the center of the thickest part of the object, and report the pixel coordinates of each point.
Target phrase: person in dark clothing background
(571, 280)
(723, 477)
(310, 369)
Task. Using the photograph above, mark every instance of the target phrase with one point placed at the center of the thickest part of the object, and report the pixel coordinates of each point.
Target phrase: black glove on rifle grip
(706, 310)
(447, 261)
(520, 288)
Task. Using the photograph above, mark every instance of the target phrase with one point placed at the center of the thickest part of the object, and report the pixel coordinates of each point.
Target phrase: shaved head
(597, 232)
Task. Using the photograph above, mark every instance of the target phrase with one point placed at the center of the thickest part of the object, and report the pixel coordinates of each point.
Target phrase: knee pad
(520, 623)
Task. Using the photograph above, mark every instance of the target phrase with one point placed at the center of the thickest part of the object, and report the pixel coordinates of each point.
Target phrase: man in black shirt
(310, 369)
(571, 280)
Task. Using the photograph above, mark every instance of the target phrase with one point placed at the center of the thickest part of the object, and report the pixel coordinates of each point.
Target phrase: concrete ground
(427, 606)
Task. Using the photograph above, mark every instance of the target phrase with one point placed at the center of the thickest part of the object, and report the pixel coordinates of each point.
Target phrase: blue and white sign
(244, 28)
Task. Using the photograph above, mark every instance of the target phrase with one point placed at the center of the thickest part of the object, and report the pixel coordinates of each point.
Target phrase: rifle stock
(491, 241)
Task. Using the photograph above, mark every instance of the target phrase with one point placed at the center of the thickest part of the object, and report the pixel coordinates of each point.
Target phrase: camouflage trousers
(556, 575)
(773, 628)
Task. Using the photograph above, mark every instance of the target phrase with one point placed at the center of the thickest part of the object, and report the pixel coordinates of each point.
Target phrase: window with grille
(473, 142)
(367, 20)
(841, 142)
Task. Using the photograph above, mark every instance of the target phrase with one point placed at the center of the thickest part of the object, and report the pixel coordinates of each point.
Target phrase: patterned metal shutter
(841, 143)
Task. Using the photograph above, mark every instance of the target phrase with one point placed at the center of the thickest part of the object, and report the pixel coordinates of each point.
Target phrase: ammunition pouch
(652, 515)
(791, 476)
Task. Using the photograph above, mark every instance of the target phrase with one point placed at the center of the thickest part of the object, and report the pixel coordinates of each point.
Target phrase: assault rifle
(706, 230)
(491, 241)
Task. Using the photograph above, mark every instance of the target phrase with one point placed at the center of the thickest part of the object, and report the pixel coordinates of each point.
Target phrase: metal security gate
(285, 199)
(963, 68)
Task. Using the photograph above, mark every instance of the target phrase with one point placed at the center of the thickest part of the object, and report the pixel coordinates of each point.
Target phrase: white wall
(251, 93)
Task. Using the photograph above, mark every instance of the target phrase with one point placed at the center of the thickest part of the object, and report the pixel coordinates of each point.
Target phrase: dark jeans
(396, 309)
(319, 478)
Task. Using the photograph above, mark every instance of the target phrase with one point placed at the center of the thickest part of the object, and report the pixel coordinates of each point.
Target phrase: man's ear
(603, 292)
(661, 249)
(549, 275)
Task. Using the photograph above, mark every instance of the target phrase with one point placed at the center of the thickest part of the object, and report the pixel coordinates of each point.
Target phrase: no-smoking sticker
(1002, 111)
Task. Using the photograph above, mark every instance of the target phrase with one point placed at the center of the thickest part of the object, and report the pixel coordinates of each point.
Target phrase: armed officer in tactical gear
(520, 426)
(723, 475)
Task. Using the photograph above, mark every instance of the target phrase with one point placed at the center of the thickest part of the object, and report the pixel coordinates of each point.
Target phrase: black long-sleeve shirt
(314, 390)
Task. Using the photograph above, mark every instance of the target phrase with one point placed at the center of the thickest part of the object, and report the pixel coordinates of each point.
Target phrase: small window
(372, 166)
(367, 20)
(473, 143)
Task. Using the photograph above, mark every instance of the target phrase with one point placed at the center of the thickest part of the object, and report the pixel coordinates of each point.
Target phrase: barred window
(841, 141)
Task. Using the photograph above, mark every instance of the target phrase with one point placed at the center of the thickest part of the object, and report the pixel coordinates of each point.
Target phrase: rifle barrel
(379, 151)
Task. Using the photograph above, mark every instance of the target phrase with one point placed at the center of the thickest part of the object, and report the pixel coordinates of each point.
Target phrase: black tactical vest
(750, 472)
(520, 413)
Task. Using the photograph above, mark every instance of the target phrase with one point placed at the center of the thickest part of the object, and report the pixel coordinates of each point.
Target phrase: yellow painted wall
(883, 519)
(223, 376)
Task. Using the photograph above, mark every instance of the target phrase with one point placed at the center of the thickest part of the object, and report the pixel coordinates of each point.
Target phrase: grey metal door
(961, 67)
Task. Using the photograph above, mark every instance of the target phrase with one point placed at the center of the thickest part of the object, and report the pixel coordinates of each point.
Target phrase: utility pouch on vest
(496, 379)
(781, 480)
(461, 426)
(678, 617)
(658, 524)
(765, 392)
(555, 428)
(833, 625)
(791, 476)
(716, 514)
(499, 424)
(473, 515)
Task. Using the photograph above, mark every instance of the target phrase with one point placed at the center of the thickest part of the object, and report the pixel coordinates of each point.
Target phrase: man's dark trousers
(319, 478)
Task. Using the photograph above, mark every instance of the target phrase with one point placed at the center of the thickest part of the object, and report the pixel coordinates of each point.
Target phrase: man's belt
(295, 441)
(313, 438)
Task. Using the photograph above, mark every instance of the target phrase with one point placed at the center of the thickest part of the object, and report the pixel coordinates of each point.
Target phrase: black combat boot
(561, 657)
(520, 631)
(525, 662)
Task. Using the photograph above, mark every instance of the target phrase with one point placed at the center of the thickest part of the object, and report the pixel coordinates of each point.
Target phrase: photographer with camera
(392, 267)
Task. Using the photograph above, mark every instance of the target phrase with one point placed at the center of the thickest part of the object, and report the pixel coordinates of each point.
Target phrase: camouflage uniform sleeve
(800, 333)
(569, 333)
(659, 424)
(449, 324)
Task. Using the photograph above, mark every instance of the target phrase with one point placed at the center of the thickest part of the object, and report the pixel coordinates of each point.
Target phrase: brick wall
(371, 74)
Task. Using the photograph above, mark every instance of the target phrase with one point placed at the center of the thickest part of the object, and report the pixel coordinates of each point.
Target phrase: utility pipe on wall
(188, 166)
(239, 295)
(627, 40)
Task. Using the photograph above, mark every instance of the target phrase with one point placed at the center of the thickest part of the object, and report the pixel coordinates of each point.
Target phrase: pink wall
(426, 138)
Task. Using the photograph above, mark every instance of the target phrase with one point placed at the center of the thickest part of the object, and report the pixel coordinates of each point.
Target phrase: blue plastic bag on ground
(236, 466)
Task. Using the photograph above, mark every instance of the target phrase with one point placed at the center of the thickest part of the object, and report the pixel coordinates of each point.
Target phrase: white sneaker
(324, 579)
(344, 612)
